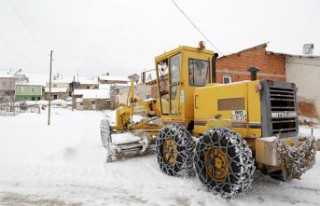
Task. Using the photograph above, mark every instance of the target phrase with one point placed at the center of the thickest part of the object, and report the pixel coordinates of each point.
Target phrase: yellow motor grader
(220, 132)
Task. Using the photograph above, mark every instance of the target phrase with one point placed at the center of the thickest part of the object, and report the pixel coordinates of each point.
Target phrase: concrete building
(304, 71)
(88, 84)
(91, 99)
(60, 89)
(8, 82)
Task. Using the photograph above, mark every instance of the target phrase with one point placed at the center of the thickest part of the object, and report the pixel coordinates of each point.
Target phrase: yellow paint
(182, 106)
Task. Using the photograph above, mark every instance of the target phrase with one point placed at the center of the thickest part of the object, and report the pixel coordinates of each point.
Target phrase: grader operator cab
(223, 132)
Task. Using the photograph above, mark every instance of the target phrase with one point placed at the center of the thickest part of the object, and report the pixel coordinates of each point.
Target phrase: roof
(93, 93)
(179, 49)
(56, 89)
(113, 78)
(29, 84)
(60, 81)
(292, 55)
(104, 86)
(89, 81)
(264, 45)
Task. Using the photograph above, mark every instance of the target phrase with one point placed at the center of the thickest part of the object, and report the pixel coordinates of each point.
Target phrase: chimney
(253, 73)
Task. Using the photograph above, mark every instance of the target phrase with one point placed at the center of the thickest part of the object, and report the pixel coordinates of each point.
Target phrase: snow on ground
(64, 164)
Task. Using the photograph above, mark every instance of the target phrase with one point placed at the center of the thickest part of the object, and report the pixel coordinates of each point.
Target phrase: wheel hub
(170, 151)
(216, 163)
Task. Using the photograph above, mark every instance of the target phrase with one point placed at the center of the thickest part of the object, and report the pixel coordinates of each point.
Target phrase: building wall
(95, 104)
(7, 83)
(29, 92)
(60, 95)
(272, 66)
(305, 73)
(29, 97)
(88, 86)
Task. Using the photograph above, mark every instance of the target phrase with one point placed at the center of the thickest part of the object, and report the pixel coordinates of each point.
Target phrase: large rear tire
(223, 162)
(174, 147)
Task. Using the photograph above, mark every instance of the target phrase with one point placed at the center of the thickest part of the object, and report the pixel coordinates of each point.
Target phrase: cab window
(199, 72)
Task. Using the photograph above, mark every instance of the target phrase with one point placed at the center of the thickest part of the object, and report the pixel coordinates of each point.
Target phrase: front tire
(223, 162)
(106, 140)
(174, 147)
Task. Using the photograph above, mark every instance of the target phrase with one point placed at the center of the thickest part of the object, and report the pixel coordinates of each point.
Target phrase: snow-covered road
(64, 165)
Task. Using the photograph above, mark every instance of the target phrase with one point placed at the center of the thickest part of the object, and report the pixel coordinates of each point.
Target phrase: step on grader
(219, 132)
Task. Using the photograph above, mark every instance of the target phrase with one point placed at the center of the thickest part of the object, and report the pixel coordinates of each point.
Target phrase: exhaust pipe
(253, 73)
(214, 67)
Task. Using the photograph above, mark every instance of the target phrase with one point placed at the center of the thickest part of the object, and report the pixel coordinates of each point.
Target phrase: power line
(26, 26)
(32, 23)
(197, 28)
(19, 52)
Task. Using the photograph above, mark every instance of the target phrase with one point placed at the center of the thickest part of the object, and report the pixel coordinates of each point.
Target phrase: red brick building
(233, 67)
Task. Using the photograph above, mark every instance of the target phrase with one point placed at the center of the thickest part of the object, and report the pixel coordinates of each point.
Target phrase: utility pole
(50, 76)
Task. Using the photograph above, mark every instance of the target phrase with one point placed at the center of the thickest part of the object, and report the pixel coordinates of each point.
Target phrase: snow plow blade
(297, 155)
(135, 142)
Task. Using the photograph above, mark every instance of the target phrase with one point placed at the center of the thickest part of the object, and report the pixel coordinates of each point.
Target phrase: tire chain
(236, 181)
(183, 165)
(296, 160)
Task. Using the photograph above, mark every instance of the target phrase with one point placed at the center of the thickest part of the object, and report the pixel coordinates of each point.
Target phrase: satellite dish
(308, 49)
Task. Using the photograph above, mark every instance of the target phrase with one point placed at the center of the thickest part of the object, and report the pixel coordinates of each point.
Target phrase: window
(55, 96)
(33, 98)
(227, 79)
(199, 74)
(54, 85)
(174, 81)
(163, 68)
(33, 89)
(20, 89)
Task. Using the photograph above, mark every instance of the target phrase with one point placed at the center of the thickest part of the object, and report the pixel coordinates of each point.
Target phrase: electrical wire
(33, 25)
(27, 27)
(19, 52)
(197, 28)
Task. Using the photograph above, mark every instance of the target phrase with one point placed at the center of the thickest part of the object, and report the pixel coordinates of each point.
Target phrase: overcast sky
(123, 36)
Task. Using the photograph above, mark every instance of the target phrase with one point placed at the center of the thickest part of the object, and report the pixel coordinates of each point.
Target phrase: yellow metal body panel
(216, 103)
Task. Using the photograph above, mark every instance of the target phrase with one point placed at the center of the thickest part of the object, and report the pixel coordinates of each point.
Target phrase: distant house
(60, 89)
(108, 79)
(8, 81)
(29, 92)
(115, 83)
(91, 99)
(88, 84)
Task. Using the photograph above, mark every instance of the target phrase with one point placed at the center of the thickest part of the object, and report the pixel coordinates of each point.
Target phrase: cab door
(169, 79)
